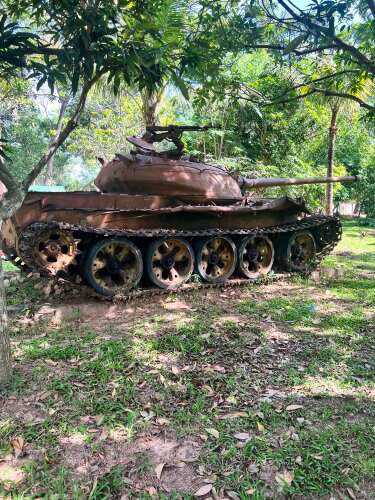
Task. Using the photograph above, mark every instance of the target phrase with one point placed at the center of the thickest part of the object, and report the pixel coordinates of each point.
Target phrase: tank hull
(120, 211)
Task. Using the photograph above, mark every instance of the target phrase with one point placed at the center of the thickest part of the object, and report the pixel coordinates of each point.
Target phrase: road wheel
(113, 266)
(297, 251)
(255, 256)
(169, 262)
(215, 258)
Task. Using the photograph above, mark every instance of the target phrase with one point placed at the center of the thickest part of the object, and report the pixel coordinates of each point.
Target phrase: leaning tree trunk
(149, 105)
(51, 161)
(5, 349)
(331, 158)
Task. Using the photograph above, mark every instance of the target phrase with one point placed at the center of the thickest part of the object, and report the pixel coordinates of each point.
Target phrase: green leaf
(294, 43)
(116, 84)
(41, 82)
(2, 22)
(181, 85)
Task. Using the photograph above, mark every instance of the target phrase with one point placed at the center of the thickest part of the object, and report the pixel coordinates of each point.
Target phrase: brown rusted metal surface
(109, 211)
(186, 181)
(295, 181)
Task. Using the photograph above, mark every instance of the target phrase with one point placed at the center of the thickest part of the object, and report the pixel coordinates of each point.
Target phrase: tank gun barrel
(295, 181)
(182, 128)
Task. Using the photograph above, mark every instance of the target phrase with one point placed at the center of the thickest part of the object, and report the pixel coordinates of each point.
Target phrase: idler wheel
(215, 258)
(169, 262)
(255, 256)
(297, 251)
(113, 266)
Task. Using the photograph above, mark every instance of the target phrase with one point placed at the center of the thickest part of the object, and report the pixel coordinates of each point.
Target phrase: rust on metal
(295, 181)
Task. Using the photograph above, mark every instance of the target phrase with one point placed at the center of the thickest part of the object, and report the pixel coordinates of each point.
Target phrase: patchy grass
(8, 266)
(257, 392)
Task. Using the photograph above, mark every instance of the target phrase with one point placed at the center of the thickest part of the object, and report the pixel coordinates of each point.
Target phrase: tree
(342, 31)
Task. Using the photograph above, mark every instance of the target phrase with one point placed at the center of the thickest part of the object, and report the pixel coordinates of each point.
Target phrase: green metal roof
(47, 189)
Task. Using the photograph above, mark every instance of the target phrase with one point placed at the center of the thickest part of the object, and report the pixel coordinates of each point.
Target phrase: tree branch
(344, 95)
(371, 5)
(295, 51)
(291, 99)
(306, 84)
(359, 56)
(14, 197)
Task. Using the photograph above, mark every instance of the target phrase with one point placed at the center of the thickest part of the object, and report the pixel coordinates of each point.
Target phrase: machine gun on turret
(170, 133)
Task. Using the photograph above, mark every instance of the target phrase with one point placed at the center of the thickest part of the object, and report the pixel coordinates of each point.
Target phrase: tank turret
(169, 173)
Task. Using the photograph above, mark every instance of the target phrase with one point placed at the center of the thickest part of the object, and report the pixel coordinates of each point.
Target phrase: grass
(262, 391)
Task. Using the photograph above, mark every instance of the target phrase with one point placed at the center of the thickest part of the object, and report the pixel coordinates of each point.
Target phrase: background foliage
(250, 67)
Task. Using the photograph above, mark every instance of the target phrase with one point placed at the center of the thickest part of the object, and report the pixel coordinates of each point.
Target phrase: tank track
(314, 223)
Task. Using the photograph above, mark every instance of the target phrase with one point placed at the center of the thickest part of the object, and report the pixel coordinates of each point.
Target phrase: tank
(160, 219)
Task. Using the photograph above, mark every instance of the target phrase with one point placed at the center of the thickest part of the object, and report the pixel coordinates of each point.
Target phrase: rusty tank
(159, 218)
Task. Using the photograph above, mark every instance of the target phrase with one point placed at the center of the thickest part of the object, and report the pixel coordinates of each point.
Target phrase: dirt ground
(261, 391)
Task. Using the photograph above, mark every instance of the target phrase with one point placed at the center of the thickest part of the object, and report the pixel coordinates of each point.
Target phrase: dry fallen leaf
(159, 470)
(18, 446)
(50, 362)
(213, 432)
(204, 490)
(351, 493)
(233, 495)
(10, 475)
(218, 368)
(253, 468)
(260, 427)
(285, 478)
(175, 370)
(162, 421)
(44, 395)
(103, 435)
(94, 486)
(78, 384)
(250, 492)
(294, 407)
(48, 290)
(242, 436)
(153, 492)
(180, 465)
(237, 414)
(299, 459)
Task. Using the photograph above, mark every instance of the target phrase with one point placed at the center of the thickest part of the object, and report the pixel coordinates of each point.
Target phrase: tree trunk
(331, 158)
(51, 161)
(5, 349)
(149, 104)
